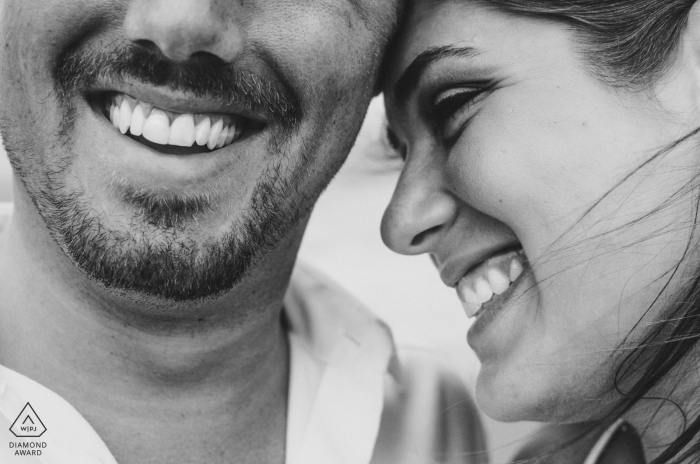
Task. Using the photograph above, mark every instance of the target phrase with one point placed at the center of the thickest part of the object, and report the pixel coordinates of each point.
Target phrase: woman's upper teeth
(493, 277)
(167, 128)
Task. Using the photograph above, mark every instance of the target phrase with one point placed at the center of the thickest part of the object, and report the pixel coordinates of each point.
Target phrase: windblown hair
(629, 44)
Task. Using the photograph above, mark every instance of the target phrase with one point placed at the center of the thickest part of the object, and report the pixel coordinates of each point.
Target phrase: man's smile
(171, 139)
(161, 127)
(172, 124)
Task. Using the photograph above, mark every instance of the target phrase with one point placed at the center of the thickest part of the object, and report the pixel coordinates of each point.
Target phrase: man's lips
(177, 101)
(163, 167)
(173, 132)
(161, 128)
(173, 121)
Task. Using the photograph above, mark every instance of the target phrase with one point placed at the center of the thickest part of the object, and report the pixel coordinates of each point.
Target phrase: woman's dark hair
(629, 44)
(625, 42)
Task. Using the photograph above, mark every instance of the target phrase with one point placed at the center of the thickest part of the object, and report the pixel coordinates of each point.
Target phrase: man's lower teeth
(186, 130)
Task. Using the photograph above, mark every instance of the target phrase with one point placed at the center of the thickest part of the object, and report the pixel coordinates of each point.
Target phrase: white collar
(602, 443)
(341, 355)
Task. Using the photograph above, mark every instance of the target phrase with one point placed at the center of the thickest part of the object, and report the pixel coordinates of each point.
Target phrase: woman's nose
(183, 28)
(420, 212)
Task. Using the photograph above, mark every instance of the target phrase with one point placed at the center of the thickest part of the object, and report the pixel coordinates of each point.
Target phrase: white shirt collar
(341, 355)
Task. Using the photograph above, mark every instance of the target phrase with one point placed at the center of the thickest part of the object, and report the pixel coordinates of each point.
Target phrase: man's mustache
(204, 76)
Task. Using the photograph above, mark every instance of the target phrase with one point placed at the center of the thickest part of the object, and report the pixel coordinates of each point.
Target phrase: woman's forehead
(473, 31)
(426, 24)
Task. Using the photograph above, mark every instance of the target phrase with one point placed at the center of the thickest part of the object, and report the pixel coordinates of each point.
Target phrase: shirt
(353, 397)
(619, 444)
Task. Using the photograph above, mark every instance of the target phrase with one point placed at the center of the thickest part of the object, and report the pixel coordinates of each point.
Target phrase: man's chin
(169, 213)
(167, 264)
(166, 250)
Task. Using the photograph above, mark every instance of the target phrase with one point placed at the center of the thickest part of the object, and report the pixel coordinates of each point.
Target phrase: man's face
(170, 144)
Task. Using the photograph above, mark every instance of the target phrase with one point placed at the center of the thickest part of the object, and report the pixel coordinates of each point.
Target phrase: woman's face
(516, 157)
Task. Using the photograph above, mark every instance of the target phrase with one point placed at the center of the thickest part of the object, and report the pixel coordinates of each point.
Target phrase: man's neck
(167, 387)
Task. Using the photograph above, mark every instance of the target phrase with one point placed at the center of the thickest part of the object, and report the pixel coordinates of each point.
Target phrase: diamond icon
(28, 424)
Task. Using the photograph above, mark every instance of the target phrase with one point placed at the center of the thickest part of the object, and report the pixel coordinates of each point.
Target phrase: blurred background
(343, 240)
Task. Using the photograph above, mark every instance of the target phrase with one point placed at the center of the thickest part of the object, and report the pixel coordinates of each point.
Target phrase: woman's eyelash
(449, 102)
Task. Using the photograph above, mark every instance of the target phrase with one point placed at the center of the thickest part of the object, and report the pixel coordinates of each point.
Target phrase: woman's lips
(490, 280)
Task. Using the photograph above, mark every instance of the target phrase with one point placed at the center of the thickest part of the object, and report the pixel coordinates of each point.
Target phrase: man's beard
(155, 256)
(159, 253)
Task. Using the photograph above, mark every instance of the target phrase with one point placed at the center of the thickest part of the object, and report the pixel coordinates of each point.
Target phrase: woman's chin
(513, 393)
(506, 400)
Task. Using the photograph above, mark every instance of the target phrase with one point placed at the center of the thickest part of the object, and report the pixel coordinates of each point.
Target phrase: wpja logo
(28, 424)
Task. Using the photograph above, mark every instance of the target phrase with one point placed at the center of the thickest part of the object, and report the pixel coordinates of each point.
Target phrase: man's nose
(421, 210)
(184, 28)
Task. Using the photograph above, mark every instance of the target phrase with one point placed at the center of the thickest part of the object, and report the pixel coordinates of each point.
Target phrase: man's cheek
(322, 47)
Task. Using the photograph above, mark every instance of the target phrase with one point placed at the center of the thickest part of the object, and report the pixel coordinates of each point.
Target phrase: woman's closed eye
(450, 110)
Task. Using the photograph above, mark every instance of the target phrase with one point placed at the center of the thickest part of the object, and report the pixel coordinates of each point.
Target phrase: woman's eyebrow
(407, 83)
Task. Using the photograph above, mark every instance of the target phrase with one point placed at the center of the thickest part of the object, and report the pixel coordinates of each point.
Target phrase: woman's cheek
(498, 172)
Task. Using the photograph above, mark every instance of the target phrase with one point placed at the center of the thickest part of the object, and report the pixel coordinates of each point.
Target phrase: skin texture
(213, 368)
(522, 164)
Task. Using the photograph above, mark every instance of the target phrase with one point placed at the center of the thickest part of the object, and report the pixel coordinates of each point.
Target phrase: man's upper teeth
(493, 277)
(165, 128)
